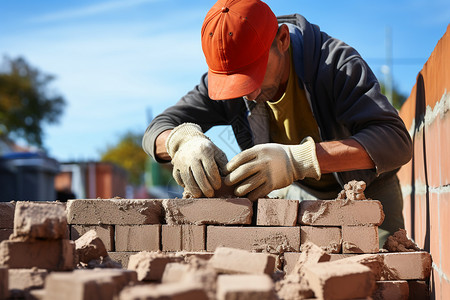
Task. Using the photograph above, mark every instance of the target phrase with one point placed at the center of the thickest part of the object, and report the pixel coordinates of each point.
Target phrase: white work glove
(196, 160)
(266, 167)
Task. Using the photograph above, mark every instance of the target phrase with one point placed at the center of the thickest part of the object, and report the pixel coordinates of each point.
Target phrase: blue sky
(115, 61)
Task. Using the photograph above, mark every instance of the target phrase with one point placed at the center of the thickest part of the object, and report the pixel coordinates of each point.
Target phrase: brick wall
(425, 179)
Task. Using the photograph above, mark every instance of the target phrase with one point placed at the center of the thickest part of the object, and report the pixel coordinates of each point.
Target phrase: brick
(328, 238)
(340, 212)
(4, 282)
(254, 238)
(290, 259)
(114, 211)
(122, 257)
(89, 247)
(174, 291)
(334, 257)
(138, 237)
(444, 231)
(54, 255)
(330, 280)
(374, 262)
(35, 220)
(27, 279)
(245, 286)
(38, 294)
(311, 254)
(7, 215)
(174, 272)
(277, 212)
(220, 211)
(150, 265)
(183, 237)
(395, 289)
(87, 284)
(418, 290)
(104, 232)
(236, 261)
(360, 239)
(407, 266)
(5, 233)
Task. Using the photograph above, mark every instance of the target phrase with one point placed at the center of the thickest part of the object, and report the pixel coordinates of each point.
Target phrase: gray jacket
(342, 91)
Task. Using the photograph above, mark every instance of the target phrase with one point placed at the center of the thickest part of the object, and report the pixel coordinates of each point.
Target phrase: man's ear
(283, 38)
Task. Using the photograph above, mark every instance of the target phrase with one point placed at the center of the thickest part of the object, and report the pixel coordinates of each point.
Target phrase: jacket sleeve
(195, 107)
(370, 118)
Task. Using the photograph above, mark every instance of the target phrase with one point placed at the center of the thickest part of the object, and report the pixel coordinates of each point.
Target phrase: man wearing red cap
(305, 108)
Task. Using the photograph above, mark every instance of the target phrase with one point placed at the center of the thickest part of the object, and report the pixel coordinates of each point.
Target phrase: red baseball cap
(236, 39)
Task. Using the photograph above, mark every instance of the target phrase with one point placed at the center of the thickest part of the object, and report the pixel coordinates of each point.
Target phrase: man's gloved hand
(267, 167)
(196, 160)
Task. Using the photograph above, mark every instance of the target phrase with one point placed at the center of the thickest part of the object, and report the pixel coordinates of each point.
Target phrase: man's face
(272, 87)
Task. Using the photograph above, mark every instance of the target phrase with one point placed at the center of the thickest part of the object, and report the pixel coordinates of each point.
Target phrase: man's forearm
(160, 146)
(341, 156)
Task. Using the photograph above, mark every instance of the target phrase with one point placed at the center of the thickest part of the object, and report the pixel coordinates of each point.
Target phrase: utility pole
(386, 69)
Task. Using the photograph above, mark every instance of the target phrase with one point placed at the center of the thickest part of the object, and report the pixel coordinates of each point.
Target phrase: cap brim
(236, 85)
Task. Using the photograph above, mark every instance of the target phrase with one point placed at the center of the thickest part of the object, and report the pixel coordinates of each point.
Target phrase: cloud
(90, 10)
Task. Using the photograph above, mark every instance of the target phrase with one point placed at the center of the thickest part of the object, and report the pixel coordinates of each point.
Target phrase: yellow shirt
(291, 120)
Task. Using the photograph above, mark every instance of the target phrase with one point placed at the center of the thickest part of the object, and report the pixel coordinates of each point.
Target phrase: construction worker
(305, 108)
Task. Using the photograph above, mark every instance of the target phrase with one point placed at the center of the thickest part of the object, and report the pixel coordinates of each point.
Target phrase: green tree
(398, 98)
(128, 154)
(26, 103)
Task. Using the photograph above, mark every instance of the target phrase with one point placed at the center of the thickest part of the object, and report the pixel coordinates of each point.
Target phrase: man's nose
(253, 95)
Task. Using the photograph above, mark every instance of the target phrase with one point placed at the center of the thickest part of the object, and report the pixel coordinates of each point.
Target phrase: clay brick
(174, 272)
(253, 238)
(35, 220)
(330, 280)
(334, 257)
(7, 215)
(89, 247)
(221, 211)
(54, 255)
(173, 291)
(406, 266)
(122, 257)
(4, 285)
(245, 286)
(236, 261)
(290, 259)
(38, 294)
(418, 290)
(374, 262)
(150, 265)
(340, 212)
(360, 239)
(183, 237)
(311, 255)
(87, 284)
(277, 212)
(114, 211)
(138, 237)
(5, 233)
(397, 289)
(27, 279)
(104, 232)
(328, 238)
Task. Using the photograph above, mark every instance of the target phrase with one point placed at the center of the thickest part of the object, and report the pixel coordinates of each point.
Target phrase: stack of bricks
(154, 239)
